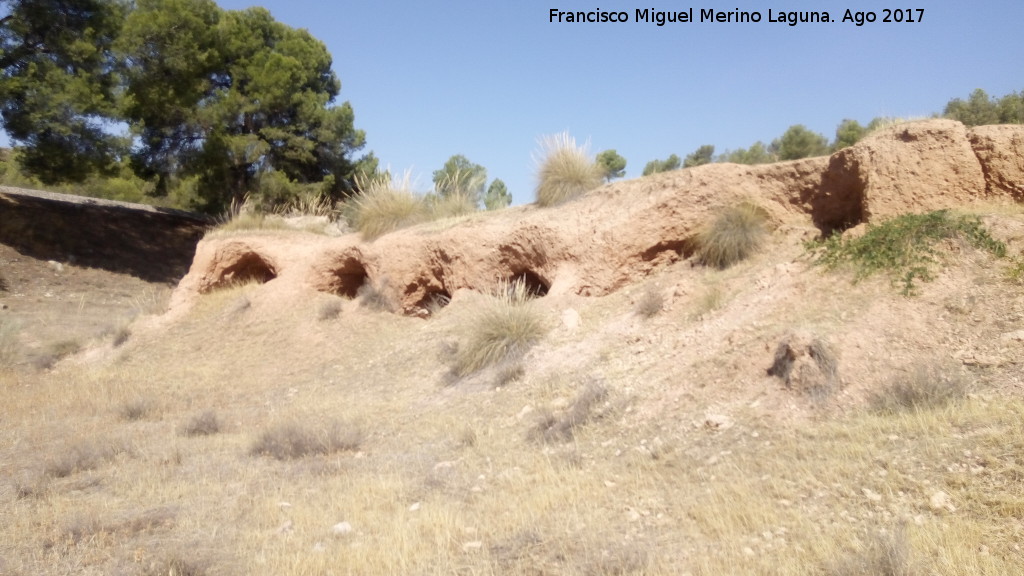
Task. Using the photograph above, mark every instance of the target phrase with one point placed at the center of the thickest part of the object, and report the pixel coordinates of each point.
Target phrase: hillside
(296, 409)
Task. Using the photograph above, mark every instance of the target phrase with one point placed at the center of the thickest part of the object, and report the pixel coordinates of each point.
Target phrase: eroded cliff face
(153, 244)
(623, 231)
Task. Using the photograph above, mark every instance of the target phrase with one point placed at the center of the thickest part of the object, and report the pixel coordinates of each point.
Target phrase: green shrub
(565, 171)
(504, 328)
(735, 234)
(383, 206)
(904, 246)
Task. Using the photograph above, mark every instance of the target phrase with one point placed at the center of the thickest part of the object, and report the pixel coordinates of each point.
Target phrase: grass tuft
(383, 205)
(735, 234)
(887, 555)
(565, 170)
(925, 387)
(135, 409)
(82, 456)
(504, 329)
(206, 423)
(292, 440)
(10, 343)
(650, 303)
(329, 310)
(904, 246)
(561, 428)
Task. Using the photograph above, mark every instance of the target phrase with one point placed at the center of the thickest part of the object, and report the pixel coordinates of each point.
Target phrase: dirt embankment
(154, 244)
(625, 230)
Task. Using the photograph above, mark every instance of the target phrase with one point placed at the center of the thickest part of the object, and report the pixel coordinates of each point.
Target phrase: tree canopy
(700, 156)
(459, 176)
(58, 86)
(613, 165)
(654, 166)
(980, 109)
(799, 142)
(497, 196)
(222, 97)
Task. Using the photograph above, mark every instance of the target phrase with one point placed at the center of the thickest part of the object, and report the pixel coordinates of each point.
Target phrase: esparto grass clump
(382, 206)
(504, 328)
(734, 235)
(565, 170)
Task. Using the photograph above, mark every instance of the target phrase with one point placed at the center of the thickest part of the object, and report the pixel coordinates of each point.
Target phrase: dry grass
(565, 170)
(290, 440)
(205, 423)
(925, 386)
(10, 343)
(374, 296)
(329, 310)
(384, 205)
(735, 233)
(503, 329)
(552, 427)
(651, 302)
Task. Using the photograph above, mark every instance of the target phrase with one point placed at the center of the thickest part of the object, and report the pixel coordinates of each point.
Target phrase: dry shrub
(736, 233)
(817, 377)
(56, 352)
(508, 372)
(650, 303)
(135, 409)
(82, 456)
(561, 428)
(292, 440)
(329, 310)
(178, 564)
(887, 555)
(502, 330)
(206, 423)
(383, 205)
(926, 386)
(565, 170)
(374, 295)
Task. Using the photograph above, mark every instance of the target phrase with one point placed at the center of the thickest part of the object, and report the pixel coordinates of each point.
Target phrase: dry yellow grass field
(319, 436)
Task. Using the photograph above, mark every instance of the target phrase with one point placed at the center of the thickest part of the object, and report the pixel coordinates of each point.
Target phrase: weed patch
(85, 455)
(504, 328)
(565, 171)
(292, 440)
(735, 234)
(135, 409)
(904, 247)
(887, 554)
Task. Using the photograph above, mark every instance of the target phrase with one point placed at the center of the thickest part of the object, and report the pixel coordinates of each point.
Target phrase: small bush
(56, 352)
(329, 310)
(565, 171)
(508, 373)
(135, 409)
(886, 555)
(651, 302)
(82, 456)
(504, 328)
(904, 247)
(374, 295)
(1015, 272)
(561, 428)
(926, 386)
(292, 440)
(734, 235)
(206, 423)
(382, 206)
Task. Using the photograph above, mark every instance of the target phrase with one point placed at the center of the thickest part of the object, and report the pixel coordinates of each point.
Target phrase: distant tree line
(800, 142)
(181, 96)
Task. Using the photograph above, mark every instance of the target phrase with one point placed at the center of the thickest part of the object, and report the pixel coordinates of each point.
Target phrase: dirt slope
(626, 230)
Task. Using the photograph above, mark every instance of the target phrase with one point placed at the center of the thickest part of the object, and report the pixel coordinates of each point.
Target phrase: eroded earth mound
(625, 230)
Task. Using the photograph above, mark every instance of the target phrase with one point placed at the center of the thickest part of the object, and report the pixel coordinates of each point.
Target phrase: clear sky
(486, 79)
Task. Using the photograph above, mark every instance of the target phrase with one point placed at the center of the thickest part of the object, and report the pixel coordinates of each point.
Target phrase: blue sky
(486, 79)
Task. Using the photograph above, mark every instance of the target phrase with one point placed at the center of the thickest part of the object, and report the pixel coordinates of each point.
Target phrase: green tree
(799, 142)
(459, 176)
(977, 110)
(229, 96)
(654, 166)
(613, 165)
(497, 196)
(57, 84)
(700, 156)
(848, 133)
(758, 153)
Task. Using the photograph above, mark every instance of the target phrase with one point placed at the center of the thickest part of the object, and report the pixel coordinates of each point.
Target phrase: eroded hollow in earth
(249, 267)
